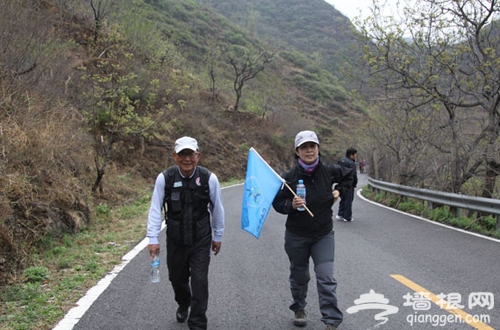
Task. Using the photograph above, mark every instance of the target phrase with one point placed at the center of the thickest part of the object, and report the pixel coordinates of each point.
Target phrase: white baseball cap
(185, 142)
(305, 136)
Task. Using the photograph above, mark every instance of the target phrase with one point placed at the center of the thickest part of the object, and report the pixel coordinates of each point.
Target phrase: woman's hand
(297, 202)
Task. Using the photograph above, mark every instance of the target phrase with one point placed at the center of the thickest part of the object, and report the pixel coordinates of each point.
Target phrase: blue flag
(261, 186)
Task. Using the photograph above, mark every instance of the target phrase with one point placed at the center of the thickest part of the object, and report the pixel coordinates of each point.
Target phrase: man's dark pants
(190, 261)
(345, 206)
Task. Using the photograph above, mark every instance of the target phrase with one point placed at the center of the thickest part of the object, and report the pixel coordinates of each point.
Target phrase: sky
(351, 8)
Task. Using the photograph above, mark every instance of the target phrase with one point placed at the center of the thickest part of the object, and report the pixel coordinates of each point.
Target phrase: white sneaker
(338, 217)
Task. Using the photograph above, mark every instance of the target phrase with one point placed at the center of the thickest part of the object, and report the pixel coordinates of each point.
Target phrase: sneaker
(338, 217)
(300, 318)
(181, 315)
(330, 327)
(352, 219)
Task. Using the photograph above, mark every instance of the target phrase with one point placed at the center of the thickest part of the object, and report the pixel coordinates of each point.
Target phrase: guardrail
(456, 202)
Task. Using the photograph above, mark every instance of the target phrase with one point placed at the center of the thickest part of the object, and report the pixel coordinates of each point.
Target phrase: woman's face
(308, 152)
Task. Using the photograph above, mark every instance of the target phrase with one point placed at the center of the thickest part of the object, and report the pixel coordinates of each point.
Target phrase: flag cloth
(261, 186)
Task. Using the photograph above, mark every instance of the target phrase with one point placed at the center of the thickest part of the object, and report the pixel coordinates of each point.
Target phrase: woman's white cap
(305, 136)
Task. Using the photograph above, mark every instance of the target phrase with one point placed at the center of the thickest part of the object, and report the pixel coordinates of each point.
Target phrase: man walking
(191, 194)
(345, 206)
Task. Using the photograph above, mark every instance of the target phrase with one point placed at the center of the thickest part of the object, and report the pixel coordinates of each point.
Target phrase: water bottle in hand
(155, 269)
(301, 192)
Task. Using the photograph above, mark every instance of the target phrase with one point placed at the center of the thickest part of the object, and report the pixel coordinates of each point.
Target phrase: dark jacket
(349, 163)
(319, 198)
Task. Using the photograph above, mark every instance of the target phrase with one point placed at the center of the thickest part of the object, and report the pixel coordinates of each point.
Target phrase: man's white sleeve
(216, 208)
(155, 210)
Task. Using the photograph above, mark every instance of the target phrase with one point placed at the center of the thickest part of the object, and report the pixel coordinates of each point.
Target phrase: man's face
(187, 160)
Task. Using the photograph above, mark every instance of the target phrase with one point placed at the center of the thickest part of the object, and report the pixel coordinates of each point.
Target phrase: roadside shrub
(441, 214)
(405, 206)
(379, 197)
(36, 274)
(19, 293)
(393, 201)
(489, 223)
(103, 211)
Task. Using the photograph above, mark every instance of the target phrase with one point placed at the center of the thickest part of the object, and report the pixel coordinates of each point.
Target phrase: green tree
(120, 105)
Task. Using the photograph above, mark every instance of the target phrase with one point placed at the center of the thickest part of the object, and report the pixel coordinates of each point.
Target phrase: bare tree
(212, 62)
(246, 64)
(100, 9)
(442, 55)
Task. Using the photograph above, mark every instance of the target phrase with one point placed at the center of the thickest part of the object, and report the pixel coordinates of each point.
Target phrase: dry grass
(68, 266)
(43, 161)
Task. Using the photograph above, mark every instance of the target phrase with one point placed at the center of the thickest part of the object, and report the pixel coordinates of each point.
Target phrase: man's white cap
(185, 142)
(305, 136)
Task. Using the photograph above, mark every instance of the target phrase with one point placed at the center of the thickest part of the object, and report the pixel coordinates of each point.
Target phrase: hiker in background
(345, 206)
(362, 166)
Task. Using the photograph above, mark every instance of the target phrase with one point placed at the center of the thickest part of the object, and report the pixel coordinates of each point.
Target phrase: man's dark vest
(186, 199)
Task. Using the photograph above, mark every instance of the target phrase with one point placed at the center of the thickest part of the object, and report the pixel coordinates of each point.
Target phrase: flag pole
(282, 180)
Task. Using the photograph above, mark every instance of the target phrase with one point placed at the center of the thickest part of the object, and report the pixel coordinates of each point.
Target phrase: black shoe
(181, 315)
(299, 319)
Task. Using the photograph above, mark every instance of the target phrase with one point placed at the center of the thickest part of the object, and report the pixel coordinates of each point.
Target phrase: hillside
(314, 28)
(92, 97)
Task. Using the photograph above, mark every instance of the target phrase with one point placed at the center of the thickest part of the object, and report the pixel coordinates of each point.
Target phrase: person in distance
(345, 205)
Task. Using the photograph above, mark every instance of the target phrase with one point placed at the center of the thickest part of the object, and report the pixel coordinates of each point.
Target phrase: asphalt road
(382, 252)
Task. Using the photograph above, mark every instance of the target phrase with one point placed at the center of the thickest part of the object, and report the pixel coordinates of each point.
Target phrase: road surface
(405, 266)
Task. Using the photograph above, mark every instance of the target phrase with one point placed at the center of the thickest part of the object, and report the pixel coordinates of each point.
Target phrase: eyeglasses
(189, 154)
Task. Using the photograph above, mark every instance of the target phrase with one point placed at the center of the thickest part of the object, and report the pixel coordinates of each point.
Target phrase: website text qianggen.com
(442, 320)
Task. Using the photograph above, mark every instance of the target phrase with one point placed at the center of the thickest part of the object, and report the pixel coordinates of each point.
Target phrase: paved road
(389, 252)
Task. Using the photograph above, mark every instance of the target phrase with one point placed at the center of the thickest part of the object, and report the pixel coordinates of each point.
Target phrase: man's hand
(336, 195)
(216, 247)
(154, 249)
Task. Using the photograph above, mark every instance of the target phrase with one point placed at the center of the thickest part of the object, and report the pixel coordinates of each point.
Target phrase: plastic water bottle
(301, 192)
(155, 269)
